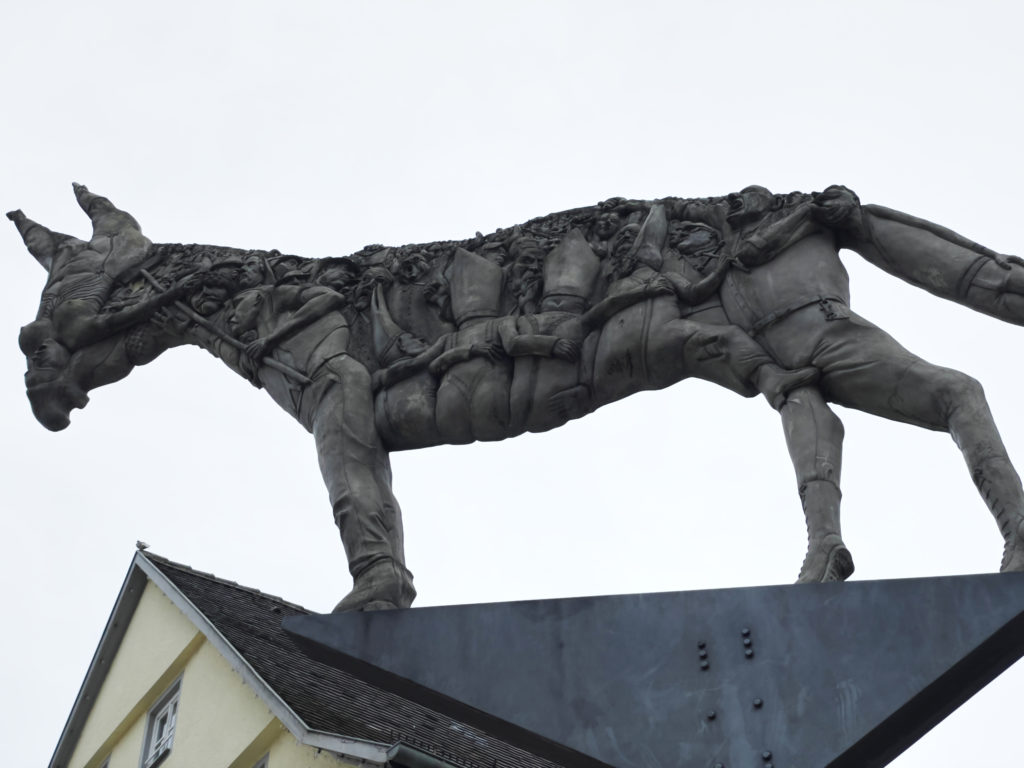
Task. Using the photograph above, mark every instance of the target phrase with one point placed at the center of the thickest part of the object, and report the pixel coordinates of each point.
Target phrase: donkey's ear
(107, 218)
(42, 243)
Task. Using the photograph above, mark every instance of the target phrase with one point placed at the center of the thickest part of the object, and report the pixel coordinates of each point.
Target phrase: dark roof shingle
(324, 697)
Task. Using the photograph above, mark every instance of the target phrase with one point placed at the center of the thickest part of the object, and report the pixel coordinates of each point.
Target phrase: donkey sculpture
(527, 328)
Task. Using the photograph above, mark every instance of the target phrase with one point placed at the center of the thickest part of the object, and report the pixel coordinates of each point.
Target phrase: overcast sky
(318, 127)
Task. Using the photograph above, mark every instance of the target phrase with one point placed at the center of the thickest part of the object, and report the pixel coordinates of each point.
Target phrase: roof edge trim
(369, 751)
(110, 641)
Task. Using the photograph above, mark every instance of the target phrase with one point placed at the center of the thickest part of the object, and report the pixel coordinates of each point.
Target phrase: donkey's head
(64, 346)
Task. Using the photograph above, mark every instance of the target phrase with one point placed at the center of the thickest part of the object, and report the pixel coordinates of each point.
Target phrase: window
(160, 727)
(263, 761)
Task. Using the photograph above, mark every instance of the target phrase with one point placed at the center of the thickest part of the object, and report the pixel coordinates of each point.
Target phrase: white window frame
(160, 726)
(263, 762)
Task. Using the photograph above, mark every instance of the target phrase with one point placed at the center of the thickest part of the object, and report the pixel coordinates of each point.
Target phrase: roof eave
(141, 570)
(113, 633)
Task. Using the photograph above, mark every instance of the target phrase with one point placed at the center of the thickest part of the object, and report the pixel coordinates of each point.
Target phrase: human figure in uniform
(794, 298)
(303, 326)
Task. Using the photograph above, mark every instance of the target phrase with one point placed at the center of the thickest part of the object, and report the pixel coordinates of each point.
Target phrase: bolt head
(758, 703)
(766, 755)
(745, 632)
(749, 653)
(703, 654)
(701, 644)
(712, 715)
(704, 665)
(746, 641)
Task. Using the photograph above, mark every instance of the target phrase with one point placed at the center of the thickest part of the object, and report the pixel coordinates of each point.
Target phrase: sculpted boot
(827, 558)
(1000, 486)
(381, 586)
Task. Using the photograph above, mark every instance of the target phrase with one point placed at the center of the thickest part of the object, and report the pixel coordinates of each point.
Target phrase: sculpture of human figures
(746, 291)
(795, 299)
(303, 326)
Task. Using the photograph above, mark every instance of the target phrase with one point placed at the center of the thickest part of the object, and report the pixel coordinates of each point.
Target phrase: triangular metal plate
(830, 675)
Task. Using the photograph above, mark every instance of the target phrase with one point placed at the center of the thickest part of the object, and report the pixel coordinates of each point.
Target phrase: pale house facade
(194, 671)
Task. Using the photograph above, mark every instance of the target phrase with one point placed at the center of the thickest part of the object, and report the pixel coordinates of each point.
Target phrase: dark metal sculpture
(527, 328)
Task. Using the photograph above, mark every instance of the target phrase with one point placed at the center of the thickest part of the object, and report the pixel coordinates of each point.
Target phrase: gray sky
(318, 127)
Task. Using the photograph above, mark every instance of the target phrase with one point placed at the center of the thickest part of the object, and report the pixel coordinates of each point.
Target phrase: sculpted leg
(357, 472)
(814, 436)
(724, 355)
(864, 368)
(941, 261)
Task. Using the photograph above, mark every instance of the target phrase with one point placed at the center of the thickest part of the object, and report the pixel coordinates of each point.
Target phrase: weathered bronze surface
(526, 328)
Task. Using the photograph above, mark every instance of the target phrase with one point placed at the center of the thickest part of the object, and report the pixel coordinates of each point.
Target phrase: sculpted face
(607, 224)
(689, 237)
(624, 241)
(220, 283)
(250, 274)
(245, 313)
(749, 204)
(50, 386)
(338, 277)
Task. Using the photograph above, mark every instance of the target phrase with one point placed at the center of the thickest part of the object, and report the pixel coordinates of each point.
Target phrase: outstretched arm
(699, 292)
(607, 308)
(408, 366)
(763, 245)
(650, 240)
(77, 324)
(314, 304)
(541, 345)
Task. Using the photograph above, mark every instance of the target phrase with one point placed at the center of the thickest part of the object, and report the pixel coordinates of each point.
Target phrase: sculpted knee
(956, 389)
(350, 373)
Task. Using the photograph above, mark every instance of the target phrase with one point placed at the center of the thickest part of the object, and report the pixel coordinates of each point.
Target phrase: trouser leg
(942, 261)
(357, 472)
(814, 436)
(722, 354)
(864, 368)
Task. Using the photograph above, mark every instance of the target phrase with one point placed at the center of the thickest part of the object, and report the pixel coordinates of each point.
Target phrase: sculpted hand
(491, 350)
(566, 349)
(250, 370)
(570, 403)
(188, 284)
(709, 348)
(259, 349)
(659, 286)
(1007, 261)
(170, 321)
(836, 205)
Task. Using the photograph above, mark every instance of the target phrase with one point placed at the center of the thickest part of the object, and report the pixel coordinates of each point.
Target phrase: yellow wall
(221, 722)
(286, 752)
(154, 649)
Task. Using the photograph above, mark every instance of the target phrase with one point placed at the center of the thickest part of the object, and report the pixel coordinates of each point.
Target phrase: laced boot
(827, 557)
(996, 479)
(383, 585)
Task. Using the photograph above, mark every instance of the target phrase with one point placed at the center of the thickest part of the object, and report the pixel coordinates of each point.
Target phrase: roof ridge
(160, 561)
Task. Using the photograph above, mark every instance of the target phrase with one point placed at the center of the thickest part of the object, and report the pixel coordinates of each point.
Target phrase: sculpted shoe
(1013, 550)
(827, 560)
(384, 585)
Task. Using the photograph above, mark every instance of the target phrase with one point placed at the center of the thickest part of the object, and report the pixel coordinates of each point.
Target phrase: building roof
(321, 705)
